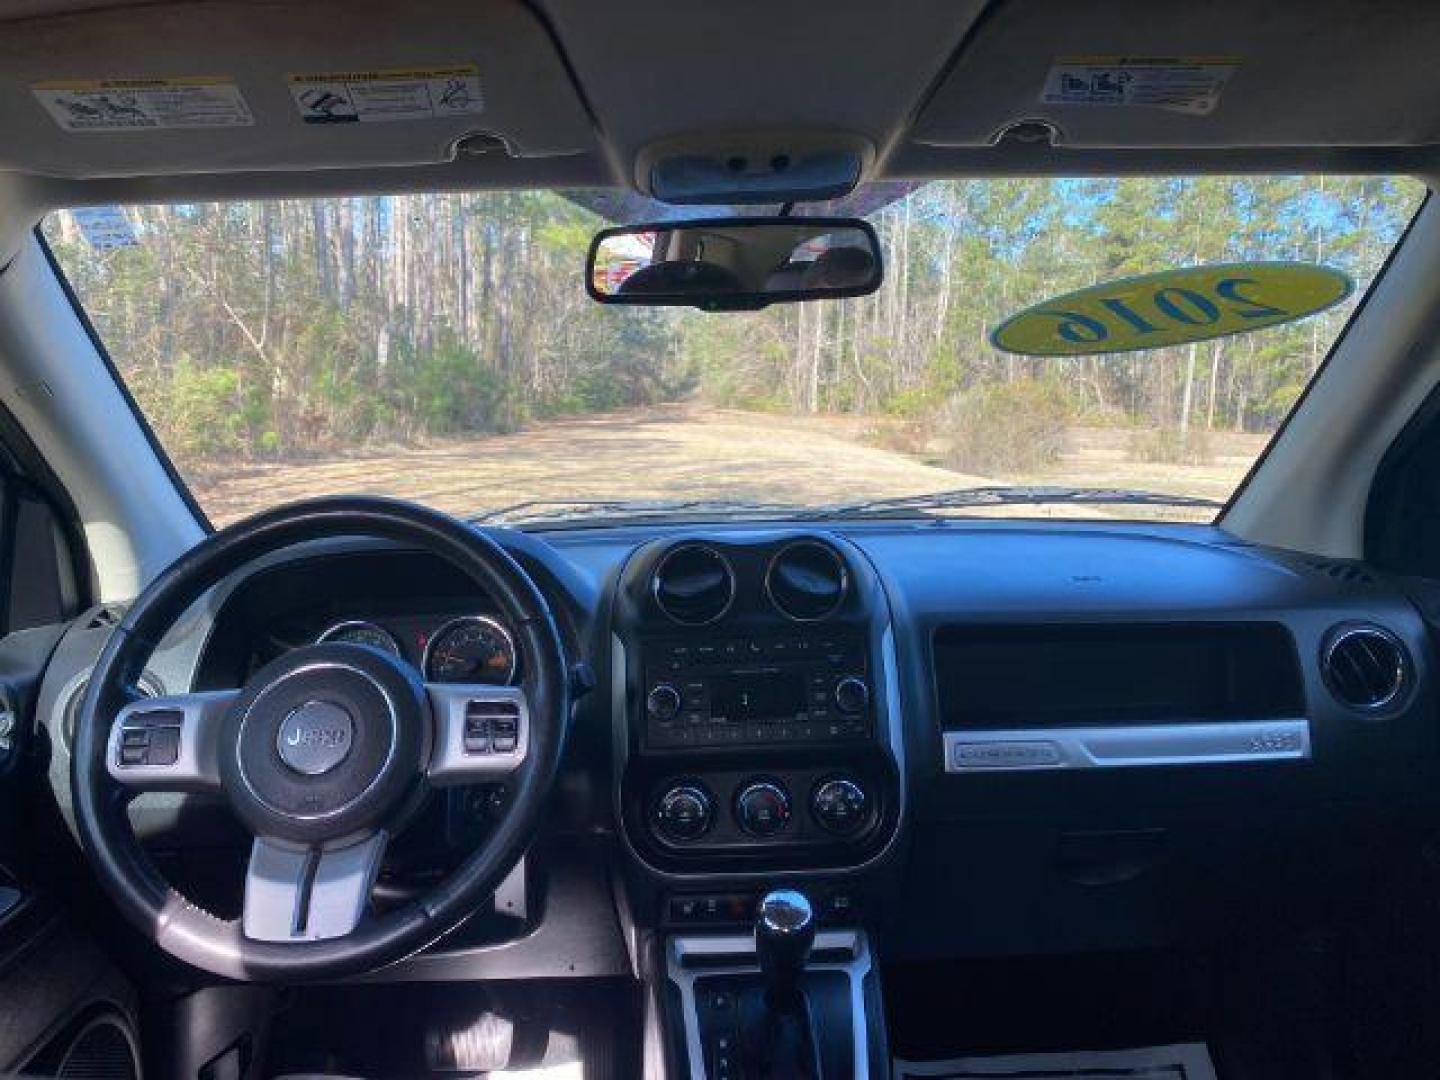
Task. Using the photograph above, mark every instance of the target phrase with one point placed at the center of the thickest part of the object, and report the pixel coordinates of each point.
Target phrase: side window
(1402, 526)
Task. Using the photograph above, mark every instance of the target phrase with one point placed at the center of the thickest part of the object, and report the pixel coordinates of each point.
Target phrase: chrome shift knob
(784, 933)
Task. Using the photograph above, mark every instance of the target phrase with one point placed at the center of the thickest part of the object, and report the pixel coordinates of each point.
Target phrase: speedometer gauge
(359, 632)
(472, 648)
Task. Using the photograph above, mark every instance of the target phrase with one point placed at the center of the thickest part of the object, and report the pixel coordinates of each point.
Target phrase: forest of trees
(281, 329)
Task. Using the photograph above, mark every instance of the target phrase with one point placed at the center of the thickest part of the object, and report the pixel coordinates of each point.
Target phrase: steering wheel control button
(684, 812)
(851, 695)
(150, 739)
(316, 737)
(164, 748)
(762, 808)
(492, 727)
(839, 805)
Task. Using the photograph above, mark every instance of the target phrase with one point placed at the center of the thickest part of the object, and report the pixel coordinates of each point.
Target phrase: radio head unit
(756, 691)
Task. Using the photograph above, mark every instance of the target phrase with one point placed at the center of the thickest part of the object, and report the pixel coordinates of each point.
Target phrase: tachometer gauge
(359, 632)
(472, 648)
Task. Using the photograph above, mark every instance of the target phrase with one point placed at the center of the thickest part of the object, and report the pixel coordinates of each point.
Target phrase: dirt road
(674, 452)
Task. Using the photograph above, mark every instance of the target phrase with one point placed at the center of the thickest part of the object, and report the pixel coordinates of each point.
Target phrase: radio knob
(663, 703)
(685, 812)
(762, 808)
(839, 805)
(851, 695)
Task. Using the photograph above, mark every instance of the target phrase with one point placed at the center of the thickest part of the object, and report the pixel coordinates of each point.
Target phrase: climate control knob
(851, 695)
(762, 808)
(663, 703)
(839, 805)
(684, 812)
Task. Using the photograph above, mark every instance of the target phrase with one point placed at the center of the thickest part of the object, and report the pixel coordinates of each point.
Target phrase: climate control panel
(743, 807)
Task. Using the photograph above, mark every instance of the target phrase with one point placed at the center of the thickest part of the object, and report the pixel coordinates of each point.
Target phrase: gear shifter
(777, 1030)
(784, 933)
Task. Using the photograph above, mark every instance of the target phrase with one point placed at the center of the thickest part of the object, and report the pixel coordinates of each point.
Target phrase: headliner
(578, 93)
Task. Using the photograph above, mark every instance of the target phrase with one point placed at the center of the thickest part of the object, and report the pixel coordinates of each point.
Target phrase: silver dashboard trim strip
(1126, 746)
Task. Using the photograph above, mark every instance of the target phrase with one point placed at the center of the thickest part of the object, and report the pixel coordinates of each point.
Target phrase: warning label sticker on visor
(350, 97)
(1188, 84)
(103, 105)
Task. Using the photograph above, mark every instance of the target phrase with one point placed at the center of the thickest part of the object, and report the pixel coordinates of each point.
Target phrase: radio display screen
(758, 696)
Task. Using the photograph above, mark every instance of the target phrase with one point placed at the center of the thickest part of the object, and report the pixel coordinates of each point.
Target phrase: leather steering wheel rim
(205, 941)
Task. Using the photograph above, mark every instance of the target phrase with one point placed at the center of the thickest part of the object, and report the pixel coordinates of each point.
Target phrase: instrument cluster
(461, 649)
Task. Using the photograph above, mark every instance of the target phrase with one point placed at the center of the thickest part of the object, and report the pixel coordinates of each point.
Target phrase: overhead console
(753, 705)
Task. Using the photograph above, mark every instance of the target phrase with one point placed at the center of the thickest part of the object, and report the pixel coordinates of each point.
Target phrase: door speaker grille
(101, 1050)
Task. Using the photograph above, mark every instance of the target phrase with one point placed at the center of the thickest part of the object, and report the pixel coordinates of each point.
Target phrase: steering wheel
(323, 755)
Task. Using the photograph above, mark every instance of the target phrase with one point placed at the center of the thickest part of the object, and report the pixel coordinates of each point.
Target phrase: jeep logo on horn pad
(315, 737)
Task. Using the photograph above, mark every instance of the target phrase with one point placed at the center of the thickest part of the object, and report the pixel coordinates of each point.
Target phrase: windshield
(443, 348)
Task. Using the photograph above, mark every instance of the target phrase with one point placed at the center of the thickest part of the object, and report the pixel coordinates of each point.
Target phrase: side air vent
(694, 584)
(1348, 573)
(807, 581)
(1365, 667)
(103, 618)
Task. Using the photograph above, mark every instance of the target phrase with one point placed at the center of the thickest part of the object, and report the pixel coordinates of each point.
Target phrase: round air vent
(1365, 667)
(807, 581)
(694, 584)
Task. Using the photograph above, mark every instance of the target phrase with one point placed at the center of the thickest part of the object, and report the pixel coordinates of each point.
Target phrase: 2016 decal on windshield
(1172, 308)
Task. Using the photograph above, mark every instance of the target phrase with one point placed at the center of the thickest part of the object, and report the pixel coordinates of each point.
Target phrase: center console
(756, 728)
(786, 1001)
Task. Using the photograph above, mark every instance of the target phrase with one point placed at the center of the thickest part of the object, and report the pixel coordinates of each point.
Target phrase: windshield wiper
(531, 510)
(1002, 495)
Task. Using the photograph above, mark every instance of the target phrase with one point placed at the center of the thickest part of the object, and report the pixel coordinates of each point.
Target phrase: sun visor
(1226, 73)
(228, 87)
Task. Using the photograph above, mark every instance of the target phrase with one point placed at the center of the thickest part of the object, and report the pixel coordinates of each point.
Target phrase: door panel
(58, 986)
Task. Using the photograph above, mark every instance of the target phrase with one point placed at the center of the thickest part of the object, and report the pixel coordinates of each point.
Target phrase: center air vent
(807, 581)
(1366, 667)
(694, 584)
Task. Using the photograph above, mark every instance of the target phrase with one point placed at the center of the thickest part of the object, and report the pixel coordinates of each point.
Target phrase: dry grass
(685, 451)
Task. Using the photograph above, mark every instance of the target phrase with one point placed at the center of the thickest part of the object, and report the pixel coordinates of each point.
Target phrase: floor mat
(1182, 1061)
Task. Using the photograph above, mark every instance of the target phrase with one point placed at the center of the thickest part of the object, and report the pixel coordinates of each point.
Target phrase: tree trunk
(1187, 395)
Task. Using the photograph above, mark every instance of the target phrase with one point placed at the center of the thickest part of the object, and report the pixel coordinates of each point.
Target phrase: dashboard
(975, 738)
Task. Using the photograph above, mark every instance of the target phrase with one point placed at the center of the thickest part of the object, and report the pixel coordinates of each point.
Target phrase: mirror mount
(736, 263)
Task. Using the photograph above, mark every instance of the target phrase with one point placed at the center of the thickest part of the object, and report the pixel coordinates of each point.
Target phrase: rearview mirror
(734, 264)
